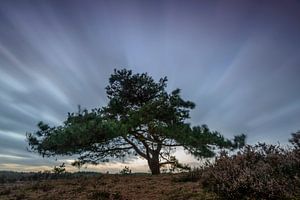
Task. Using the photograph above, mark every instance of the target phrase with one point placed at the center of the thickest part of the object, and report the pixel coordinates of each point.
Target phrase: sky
(239, 61)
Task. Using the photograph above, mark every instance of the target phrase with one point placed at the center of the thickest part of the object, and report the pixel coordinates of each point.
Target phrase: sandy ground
(131, 187)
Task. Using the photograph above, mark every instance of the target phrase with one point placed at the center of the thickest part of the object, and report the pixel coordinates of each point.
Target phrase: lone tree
(141, 120)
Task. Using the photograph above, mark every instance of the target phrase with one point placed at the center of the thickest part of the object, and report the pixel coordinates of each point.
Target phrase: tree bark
(154, 164)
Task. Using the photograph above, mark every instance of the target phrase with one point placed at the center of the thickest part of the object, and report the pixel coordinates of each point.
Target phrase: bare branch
(135, 148)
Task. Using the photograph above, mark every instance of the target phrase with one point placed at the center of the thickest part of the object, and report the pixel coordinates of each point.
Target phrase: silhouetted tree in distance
(141, 119)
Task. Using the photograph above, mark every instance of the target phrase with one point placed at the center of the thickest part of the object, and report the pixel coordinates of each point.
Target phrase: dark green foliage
(256, 172)
(295, 140)
(141, 119)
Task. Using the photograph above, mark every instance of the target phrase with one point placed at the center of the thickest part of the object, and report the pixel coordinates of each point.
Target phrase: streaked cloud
(238, 61)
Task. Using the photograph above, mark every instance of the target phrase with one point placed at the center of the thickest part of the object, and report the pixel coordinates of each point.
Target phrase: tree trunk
(154, 165)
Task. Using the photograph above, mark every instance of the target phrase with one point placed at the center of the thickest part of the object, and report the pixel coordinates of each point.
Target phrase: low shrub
(99, 195)
(125, 171)
(5, 191)
(105, 195)
(183, 194)
(11, 177)
(43, 186)
(256, 172)
(192, 176)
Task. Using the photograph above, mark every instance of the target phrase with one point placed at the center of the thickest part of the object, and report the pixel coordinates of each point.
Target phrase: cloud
(239, 62)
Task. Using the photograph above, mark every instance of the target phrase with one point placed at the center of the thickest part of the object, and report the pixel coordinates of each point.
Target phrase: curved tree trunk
(154, 165)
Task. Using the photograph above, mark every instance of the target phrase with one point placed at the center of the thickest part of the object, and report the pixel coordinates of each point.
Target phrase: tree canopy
(141, 119)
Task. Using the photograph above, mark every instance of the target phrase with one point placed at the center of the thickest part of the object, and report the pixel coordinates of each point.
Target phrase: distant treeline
(11, 176)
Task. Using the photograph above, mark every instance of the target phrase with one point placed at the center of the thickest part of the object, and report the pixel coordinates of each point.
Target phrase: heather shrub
(105, 195)
(256, 172)
(192, 176)
(5, 191)
(43, 186)
(99, 195)
(187, 194)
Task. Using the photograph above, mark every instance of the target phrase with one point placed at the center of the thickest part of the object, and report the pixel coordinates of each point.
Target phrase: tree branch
(135, 148)
(172, 145)
(167, 162)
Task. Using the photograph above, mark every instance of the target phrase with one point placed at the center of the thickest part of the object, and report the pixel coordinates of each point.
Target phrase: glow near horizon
(239, 62)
